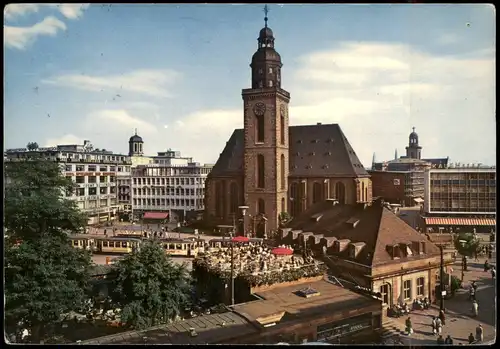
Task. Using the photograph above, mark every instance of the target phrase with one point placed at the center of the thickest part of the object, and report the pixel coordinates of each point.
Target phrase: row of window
(95, 157)
(96, 203)
(462, 176)
(96, 168)
(93, 179)
(93, 191)
(490, 182)
(169, 191)
(169, 171)
(168, 181)
(408, 292)
(168, 202)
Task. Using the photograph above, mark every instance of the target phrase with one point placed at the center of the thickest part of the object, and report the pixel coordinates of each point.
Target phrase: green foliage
(32, 146)
(148, 287)
(455, 284)
(469, 247)
(284, 217)
(34, 202)
(44, 276)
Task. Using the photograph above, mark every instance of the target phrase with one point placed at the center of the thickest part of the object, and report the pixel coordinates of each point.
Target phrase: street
(459, 320)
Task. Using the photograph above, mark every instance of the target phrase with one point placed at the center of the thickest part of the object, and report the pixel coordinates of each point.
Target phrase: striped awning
(460, 221)
(155, 215)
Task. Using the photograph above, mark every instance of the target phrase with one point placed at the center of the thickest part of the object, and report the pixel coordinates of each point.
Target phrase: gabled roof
(315, 151)
(378, 228)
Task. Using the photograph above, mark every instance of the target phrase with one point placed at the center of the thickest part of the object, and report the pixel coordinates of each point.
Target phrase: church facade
(269, 167)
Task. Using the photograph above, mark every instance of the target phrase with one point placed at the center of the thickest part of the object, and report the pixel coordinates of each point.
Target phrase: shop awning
(155, 215)
(418, 200)
(460, 221)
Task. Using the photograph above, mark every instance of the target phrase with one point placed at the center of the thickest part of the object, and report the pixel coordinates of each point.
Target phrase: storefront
(343, 331)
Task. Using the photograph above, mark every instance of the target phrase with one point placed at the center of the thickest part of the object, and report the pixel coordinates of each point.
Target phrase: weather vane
(266, 11)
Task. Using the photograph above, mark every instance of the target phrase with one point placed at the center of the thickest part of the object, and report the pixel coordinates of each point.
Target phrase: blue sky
(175, 72)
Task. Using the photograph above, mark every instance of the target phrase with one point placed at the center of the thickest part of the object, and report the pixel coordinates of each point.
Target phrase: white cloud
(21, 37)
(70, 11)
(65, 139)
(12, 11)
(448, 39)
(119, 119)
(149, 82)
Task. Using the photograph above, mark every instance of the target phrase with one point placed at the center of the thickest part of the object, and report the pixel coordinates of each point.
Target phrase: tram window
(178, 246)
(104, 244)
(124, 244)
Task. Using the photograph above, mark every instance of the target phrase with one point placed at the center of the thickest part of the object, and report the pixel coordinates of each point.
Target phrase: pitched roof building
(369, 245)
(271, 167)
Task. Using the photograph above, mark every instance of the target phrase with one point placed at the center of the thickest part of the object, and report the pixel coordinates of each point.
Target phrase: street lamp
(441, 277)
(462, 243)
(243, 209)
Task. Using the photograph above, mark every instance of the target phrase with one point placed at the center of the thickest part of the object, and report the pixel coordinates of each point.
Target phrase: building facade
(398, 187)
(93, 171)
(170, 184)
(268, 167)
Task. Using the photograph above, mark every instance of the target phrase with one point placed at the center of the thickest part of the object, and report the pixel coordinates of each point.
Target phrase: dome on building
(136, 138)
(266, 32)
(266, 54)
(413, 134)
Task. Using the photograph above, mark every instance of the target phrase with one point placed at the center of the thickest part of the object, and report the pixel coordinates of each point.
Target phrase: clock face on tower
(259, 109)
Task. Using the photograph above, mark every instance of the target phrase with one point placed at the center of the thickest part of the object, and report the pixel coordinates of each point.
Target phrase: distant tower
(373, 161)
(413, 150)
(396, 154)
(135, 145)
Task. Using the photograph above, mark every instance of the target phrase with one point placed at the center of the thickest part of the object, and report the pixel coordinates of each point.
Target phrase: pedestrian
(475, 256)
(448, 340)
(442, 317)
(493, 272)
(475, 308)
(472, 293)
(439, 326)
(440, 340)
(471, 338)
(479, 333)
(486, 265)
(105, 233)
(408, 328)
(434, 326)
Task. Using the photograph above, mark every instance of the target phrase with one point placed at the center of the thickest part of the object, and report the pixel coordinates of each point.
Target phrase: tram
(182, 247)
(81, 241)
(118, 245)
(130, 234)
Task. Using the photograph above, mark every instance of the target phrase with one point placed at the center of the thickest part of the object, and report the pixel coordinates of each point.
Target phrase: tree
(467, 244)
(34, 204)
(44, 276)
(32, 146)
(284, 217)
(148, 287)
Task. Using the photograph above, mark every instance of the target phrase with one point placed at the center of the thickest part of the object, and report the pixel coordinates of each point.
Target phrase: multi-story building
(463, 196)
(170, 184)
(398, 187)
(94, 172)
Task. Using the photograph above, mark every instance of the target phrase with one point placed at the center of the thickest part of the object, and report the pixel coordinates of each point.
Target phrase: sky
(175, 73)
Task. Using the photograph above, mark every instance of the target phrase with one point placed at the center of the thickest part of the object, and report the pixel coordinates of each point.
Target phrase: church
(269, 167)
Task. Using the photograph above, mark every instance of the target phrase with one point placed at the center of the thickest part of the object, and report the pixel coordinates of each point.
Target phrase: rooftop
(315, 150)
(376, 226)
(284, 303)
(209, 329)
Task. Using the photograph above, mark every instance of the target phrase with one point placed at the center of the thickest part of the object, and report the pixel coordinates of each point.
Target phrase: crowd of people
(253, 258)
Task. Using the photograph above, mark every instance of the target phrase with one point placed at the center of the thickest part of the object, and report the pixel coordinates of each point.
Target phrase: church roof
(320, 150)
(376, 226)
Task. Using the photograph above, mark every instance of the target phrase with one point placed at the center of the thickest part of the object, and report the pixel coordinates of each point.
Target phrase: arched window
(218, 200)
(233, 198)
(261, 84)
(270, 83)
(261, 206)
(260, 171)
(135, 148)
(362, 193)
(283, 208)
(317, 193)
(259, 128)
(294, 199)
(282, 168)
(340, 192)
(282, 129)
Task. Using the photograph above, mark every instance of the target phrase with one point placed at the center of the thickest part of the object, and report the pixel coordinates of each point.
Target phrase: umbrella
(240, 239)
(280, 251)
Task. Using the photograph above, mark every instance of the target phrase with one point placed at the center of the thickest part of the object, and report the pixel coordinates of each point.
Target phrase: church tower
(413, 150)
(266, 137)
(135, 145)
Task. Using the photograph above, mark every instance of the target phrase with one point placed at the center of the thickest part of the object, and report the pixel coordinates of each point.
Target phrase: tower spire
(396, 154)
(136, 132)
(266, 11)
(413, 128)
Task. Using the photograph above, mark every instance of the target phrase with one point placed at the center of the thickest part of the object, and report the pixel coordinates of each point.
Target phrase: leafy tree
(148, 287)
(32, 146)
(467, 244)
(34, 204)
(284, 217)
(44, 276)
